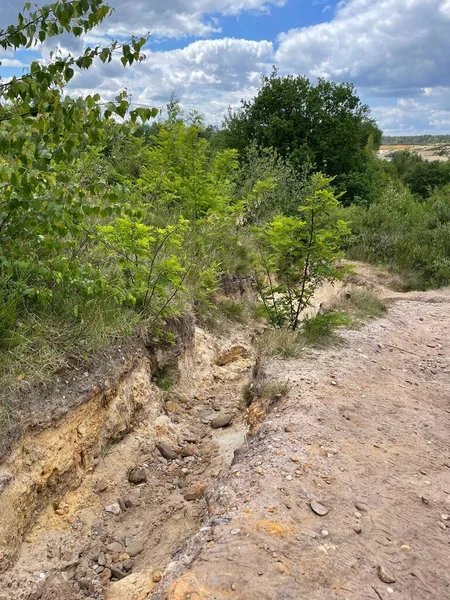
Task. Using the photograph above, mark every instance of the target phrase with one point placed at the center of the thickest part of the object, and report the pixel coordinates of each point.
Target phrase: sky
(212, 53)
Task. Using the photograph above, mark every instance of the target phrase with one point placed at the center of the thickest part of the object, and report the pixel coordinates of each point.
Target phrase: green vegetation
(110, 226)
(361, 304)
(416, 140)
(324, 127)
(409, 235)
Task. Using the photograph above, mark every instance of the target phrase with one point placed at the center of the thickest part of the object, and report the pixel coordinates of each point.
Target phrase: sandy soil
(363, 431)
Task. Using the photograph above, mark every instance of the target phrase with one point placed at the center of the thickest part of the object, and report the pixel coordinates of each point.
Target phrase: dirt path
(363, 431)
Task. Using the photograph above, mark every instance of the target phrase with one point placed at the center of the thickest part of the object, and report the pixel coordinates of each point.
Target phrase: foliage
(410, 235)
(323, 125)
(417, 140)
(322, 329)
(298, 254)
(361, 304)
(421, 176)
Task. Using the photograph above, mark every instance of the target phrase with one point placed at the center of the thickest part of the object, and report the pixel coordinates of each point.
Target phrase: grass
(323, 329)
(361, 304)
(277, 343)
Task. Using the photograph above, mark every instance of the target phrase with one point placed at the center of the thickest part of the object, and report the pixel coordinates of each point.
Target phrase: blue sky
(212, 53)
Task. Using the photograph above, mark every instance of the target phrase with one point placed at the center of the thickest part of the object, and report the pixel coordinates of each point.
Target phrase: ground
(363, 432)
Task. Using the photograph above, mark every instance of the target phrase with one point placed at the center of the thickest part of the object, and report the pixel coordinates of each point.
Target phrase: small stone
(389, 590)
(114, 548)
(222, 421)
(167, 451)
(127, 565)
(137, 475)
(189, 450)
(405, 548)
(101, 560)
(357, 529)
(445, 517)
(128, 502)
(135, 548)
(195, 492)
(358, 515)
(424, 499)
(361, 506)
(324, 533)
(281, 568)
(157, 576)
(295, 459)
(100, 486)
(113, 509)
(117, 573)
(105, 576)
(121, 504)
(385, 576)
(319, 509)
(442, 525)
(235, 531)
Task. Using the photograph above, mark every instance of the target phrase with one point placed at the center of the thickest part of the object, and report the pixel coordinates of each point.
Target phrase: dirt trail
(363, 431)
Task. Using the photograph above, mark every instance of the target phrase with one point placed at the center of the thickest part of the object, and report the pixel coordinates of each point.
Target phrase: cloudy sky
(212, 53)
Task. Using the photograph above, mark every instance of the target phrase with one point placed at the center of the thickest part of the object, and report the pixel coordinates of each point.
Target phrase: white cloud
(388, 48)
(163, 18)
(207, 75)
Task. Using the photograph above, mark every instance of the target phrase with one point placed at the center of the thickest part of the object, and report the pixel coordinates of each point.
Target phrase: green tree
(324, 125)
(297, 254)
(45, 135)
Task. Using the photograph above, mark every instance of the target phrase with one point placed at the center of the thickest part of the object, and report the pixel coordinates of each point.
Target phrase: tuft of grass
(323, 329)
(232, 310)
(164, 379)
(362, 304)
(275, 391)
(281, 343)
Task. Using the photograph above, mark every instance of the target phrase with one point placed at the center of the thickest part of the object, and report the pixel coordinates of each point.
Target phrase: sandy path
(368, 424)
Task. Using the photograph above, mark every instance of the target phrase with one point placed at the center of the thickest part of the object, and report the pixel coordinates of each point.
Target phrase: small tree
(295, 255)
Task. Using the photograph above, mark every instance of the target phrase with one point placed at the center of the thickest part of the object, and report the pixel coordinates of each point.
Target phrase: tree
(45, 134)
(324, 125)
(297, 254)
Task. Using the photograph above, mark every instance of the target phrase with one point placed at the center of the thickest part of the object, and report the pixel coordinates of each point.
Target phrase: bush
(409, 235)
(322, 330)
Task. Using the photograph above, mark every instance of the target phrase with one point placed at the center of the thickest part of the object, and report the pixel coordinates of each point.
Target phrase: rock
(5, 480)
(117, 573)
(157, 576)
(319, 509)
(101, 560)
(100, 486)
(195, 491)
(114, 547)
(445, 517)
(105, 576)
(361, 506)
(135, 548)
(113, 509)
(189, 450)
(357, 529)
(128, 565)
(222, 421)
(137, 586)
(324, 533)
(167, 451)
(295, 459)
(442, 525)
(121, 504)
(137, 475)
(129, 503)
(405, 548)
(385, 576)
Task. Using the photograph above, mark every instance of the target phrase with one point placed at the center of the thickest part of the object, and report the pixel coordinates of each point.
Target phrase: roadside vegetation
(114, 218)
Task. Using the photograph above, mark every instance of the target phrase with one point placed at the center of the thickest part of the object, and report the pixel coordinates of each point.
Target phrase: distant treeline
(418, 140)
